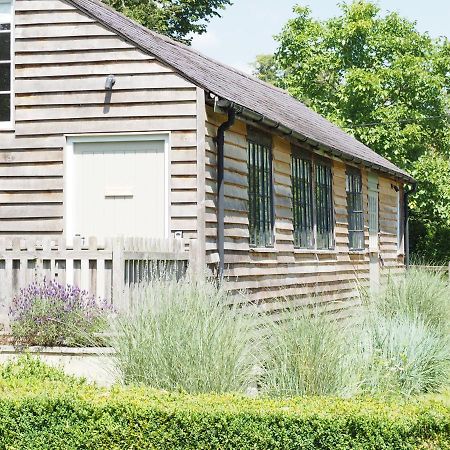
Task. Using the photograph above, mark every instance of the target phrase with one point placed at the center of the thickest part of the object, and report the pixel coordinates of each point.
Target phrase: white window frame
(9, 125)
(69, 172)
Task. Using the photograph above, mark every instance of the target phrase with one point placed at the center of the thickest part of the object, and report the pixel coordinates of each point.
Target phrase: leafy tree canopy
(382, 80)
(178, 19)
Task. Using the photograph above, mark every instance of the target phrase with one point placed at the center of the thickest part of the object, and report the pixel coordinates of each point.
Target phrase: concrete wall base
(95, 364)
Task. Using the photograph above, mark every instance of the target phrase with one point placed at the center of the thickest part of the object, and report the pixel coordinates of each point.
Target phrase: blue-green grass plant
(403, 354)
(311, 354)
(187, 336)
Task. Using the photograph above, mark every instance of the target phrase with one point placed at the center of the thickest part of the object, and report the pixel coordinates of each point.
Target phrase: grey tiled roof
(237, 87)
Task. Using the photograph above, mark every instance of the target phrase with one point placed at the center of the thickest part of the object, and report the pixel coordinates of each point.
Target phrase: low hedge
(41, 408)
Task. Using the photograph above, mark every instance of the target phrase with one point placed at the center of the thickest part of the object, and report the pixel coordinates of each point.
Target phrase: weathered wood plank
(31, 184)
(30, 211)
(31, 170)
(98, 97)
(31, 197)
(117, 68)
(78, 56)
(42, 5)
(174, 109)
(97, 83)
(69, 16)
(104, 125)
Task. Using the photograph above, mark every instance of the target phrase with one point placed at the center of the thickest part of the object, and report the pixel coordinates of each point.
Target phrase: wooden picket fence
(106, 270)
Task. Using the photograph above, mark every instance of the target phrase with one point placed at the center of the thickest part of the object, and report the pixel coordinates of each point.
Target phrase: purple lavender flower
(49, 313)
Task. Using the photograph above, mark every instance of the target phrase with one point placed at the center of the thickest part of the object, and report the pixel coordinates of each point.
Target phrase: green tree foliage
(178, 19)
(266, 68)
(382, 80)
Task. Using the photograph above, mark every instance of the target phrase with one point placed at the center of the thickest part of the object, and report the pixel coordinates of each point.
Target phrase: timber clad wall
(269, 274)
(62, 58)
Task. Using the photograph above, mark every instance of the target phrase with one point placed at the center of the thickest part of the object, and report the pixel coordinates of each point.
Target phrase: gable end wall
(62, 58)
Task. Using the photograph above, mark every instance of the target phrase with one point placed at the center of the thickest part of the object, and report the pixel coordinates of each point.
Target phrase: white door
(119, 189)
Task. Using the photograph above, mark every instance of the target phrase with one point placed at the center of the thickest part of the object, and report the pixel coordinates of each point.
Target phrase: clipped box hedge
(40, 408)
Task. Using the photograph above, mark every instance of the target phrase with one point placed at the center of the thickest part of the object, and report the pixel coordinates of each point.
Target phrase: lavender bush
(50, 314)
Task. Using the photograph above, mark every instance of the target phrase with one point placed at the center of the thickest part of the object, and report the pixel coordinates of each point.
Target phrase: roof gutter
(226, 105)
(220, 142)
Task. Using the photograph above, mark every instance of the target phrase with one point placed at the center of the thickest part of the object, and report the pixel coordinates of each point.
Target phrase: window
(312, 202)
(302, 201)
(5, 61)
(373, 212)
(260, 191)
(355, 209)
(324, 206)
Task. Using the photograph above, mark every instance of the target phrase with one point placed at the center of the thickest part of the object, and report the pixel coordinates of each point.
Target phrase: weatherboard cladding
(242, 89)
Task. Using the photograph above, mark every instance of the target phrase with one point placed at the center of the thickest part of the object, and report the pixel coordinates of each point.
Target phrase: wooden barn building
(109, 129)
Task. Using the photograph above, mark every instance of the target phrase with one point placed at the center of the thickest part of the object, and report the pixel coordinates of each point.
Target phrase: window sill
(263, 250)
(357, 252)
(8, 126)
(309, 251)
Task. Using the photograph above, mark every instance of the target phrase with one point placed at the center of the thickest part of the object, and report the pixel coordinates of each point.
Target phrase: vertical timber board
(118, 275)
(201, 180)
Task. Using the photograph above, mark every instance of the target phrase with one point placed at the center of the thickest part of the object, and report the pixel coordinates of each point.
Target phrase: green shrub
(404, 355)
(186, 336)
(310, 354)
(43, 411)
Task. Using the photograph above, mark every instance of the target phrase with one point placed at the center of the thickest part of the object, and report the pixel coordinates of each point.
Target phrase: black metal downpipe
(221, 189)
(406, 223)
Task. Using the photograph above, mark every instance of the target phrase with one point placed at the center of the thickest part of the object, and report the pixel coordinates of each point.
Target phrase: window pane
(5, 46)
(302, 206)
(260, 210)
(5, 26)
(5, 108)
(324, 207)
(5, 77)
(355, 210)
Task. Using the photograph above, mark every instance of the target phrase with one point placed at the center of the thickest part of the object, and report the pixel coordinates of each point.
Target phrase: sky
(246, 28)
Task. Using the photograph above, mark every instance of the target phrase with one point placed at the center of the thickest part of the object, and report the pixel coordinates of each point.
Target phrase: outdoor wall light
(110, 82)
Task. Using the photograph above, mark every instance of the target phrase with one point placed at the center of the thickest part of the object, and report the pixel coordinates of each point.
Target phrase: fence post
(195, 268)
(120, 301)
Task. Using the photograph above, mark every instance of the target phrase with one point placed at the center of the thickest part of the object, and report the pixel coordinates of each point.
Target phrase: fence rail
(104, 269)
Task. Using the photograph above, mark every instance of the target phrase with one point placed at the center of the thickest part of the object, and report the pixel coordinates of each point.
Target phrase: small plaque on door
(119, 192)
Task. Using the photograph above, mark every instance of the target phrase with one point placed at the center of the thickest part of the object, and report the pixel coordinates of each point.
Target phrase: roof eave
(257, 117)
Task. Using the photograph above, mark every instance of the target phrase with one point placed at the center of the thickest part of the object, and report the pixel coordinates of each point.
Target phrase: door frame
(69, 172)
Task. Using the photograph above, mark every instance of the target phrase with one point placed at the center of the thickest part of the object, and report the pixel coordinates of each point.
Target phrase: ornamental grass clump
(404, 355)
(51, 314)
(311, 354)
(406, 337)
(417, 293)
(186, 336)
